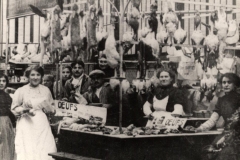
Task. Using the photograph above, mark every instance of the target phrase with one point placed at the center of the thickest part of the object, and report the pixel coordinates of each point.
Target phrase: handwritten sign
(81, 111)
(165, 118)
(172, 122)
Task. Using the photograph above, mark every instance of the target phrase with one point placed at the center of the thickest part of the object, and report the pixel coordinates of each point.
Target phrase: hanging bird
(197, 20)
(60, 4)
(197, 37)
(132, 21)
(180, 35)
(136, 3)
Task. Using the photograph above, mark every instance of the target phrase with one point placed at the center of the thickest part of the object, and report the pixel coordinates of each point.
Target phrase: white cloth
(98, 91)
(160, 109)
(77, 82)
(210, 123)
(34, 139)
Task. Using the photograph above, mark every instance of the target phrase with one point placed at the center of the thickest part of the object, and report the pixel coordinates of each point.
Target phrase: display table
(170, 146)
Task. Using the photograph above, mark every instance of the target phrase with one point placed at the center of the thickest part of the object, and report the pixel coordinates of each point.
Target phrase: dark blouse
(176, 96)
(5, 106)
(227, 105)
(5, 103)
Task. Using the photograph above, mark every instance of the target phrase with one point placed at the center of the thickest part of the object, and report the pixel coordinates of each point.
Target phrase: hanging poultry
(101, 35)
(127, 42)
(132, 21)
(83, 30)
(152, 20)
(91, 32)
(162, 35)
(233, 32)
(74, 31)
(211, 49)
(180, 35)
(197, 37)
(110, 51)
(222, 29)
(136, 3)
(170, 21)
(51, 24)
(153, 43)
(56, 28)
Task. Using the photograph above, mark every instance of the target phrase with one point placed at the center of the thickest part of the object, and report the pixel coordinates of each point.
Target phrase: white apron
(160, 110)
(34, 138)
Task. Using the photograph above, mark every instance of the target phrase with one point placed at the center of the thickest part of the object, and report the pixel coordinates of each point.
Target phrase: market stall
(162, 33)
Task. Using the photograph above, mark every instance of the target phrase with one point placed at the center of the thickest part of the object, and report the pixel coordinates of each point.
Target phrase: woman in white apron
(165, 100)
(34, 139)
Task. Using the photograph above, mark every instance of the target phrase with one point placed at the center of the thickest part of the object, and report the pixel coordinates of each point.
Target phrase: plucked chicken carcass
(154, 80)
(132, 21)
(180, 35)
(170, 21)
(91, 31)
(45, 31)
(143, 32)
(125, 85)
(64, 24)
(56, 28)
(114, 83)
(162, 35)
(83, 30)
(74, 31)
(127, 41)
(153, 43)
(110, 51)
(152, 21)
(233, 32)
(197, 37)
(211, 50)
(51, 24)
(101, 35)
(136, 3)
(221, 24)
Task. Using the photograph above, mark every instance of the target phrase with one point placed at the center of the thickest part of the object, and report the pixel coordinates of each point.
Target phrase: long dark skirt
(6, 139)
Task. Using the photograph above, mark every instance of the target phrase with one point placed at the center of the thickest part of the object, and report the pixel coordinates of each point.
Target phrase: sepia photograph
(119, 80)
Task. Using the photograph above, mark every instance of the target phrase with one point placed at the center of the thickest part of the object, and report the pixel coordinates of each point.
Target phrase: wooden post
(7, 37)
(121, 22)
(60, 91)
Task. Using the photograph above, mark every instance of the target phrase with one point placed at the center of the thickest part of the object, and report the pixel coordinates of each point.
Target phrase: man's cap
(96, 72)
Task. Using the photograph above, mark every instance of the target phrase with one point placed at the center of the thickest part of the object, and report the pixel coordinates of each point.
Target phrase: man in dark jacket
(78, 84)
(101, 94)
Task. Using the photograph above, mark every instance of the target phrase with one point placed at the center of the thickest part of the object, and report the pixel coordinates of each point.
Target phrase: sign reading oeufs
(81, 111)
(16, 8)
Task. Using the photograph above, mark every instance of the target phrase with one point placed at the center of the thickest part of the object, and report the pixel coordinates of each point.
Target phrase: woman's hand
(199, 129)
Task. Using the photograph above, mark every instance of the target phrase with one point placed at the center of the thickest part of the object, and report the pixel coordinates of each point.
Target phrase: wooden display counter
(179, 146)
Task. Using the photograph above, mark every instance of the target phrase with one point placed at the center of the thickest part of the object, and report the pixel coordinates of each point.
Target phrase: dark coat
(106, 96)
(69, 87)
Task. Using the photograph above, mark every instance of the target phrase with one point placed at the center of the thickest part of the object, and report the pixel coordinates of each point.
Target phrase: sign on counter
(166, 119)
(81, 111)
